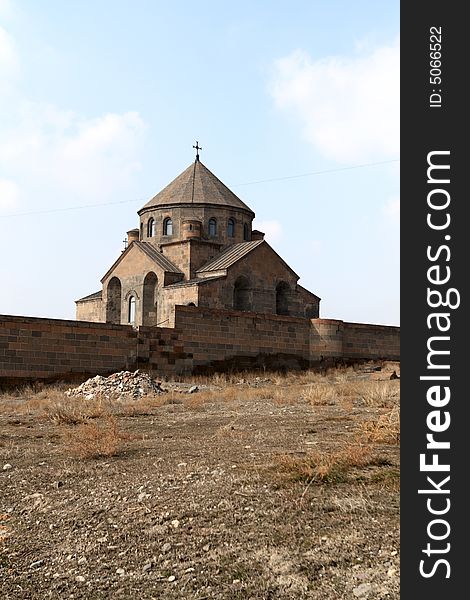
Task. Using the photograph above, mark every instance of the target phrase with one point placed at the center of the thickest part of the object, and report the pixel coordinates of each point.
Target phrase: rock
(36, 564)
(82, 561)
(394, 375)
(121, 571)
(175, 523)
(166, 547)
(118, 385)
(79, 579)
(147, 567)
(206, 548)
(171, 578)
(362, 590)
(193, 389)
(7, 467)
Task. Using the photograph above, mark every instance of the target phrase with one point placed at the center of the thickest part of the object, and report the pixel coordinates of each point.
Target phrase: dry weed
(324, 466)
(384, 430)
(320, 394)
(94, 439)
(230, 430)
(378, 393)
(145, 406)
(73, 411)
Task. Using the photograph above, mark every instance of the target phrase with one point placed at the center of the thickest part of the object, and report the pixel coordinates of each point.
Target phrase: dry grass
(378, 393)
(385, 429)
(320, 394)
(324, 466)
(94, 439)
(70, 411)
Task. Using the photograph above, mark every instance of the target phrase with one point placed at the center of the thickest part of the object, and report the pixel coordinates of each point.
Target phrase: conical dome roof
(196, 185)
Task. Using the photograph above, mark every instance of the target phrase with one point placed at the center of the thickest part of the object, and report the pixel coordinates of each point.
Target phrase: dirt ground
(263, 486)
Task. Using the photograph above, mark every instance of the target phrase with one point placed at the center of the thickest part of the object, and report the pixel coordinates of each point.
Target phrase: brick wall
(32, 348)
(330, 338)
(202, 339)
(362, 340)
(224, 339)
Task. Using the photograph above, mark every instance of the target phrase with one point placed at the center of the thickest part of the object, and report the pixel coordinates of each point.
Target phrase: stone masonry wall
(32, 348)
(91, 310)
(203, 339)
(224, 339)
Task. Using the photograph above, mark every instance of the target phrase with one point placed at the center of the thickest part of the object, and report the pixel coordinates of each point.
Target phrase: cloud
(71, 155)
(6, 8)
(61, 153)
(272, 229)
(9, 193)
(348, 107)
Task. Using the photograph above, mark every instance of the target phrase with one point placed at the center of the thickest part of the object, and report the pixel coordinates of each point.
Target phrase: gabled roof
(230, 256)
(196, 185)
(157, 257)
(236, 252)
(95, 296)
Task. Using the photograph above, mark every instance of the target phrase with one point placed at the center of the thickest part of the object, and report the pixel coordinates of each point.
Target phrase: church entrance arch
(242, 294)
(149, 299)
(113, 304)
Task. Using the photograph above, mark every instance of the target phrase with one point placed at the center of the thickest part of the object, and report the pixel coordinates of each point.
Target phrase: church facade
(195, 246)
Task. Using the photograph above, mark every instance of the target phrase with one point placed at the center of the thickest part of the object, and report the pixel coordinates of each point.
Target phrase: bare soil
(240, 490)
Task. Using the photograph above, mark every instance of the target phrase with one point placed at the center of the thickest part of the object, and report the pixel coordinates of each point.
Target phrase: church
(195, 246)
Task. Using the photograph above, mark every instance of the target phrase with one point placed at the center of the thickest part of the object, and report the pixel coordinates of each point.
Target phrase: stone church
(195, 246)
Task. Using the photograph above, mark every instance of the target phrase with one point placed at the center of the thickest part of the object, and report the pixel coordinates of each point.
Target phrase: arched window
(131, 315)
(246, 232)
(149, 299)
(212, 227)
(151, 228)
(242, 294)
(168, 226)
(282, 298)
(231, 228)
(113, 305)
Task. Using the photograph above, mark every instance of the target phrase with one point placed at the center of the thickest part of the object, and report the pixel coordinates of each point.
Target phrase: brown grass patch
(95, 439)
(378, 393)
(384, 430)
(320, 394)
(324, 466)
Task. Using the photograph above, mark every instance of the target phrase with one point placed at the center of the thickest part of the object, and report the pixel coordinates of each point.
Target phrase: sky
(295, 105)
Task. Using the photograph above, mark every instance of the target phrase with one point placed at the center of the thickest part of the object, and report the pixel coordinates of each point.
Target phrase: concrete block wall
(202, 340)
(326, 339)
(364, 341)
(226, 339)
(33, 348)
(331, 338)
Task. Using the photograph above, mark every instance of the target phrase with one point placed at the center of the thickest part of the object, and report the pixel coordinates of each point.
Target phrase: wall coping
(221, 312)
(62, 322)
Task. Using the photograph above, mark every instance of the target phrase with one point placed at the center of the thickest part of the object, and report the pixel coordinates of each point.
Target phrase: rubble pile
(117, 385)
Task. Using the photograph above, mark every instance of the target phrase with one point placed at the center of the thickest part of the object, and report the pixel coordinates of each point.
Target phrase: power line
(382, 162)
(81, 206)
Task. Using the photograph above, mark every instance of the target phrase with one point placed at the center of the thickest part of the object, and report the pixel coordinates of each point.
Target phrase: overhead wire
(100, 204)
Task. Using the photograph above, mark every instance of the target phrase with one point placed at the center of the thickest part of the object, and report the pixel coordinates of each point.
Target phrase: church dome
(196, 186)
